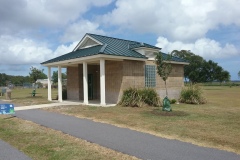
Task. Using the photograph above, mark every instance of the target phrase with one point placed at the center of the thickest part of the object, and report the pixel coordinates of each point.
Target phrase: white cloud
(77, 30)
(183, 20)
(26, 51)
(204, 47)
(27, 14)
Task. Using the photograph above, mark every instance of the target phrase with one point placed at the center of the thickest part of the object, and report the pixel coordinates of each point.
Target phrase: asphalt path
(7, 152)
(141, 145)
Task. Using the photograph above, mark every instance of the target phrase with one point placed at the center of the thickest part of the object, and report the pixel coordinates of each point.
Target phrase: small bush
(138, 97)
(149, 96)
(192, 94)
(173, 101)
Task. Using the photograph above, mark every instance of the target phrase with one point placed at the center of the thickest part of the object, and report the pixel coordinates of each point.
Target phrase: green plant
(164, 67)
(173, 101)
(138, 97)
(149, 96)
(192, 94)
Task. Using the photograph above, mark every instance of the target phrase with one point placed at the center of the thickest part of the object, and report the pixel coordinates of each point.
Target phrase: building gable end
(87, 42)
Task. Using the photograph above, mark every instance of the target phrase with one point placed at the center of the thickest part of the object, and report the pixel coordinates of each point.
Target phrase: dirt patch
(173, 113)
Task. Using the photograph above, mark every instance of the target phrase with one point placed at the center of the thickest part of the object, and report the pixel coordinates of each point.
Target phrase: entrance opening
(90, 86)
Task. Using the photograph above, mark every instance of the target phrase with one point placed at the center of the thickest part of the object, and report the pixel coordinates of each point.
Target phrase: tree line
(200, 70)
(33, 76)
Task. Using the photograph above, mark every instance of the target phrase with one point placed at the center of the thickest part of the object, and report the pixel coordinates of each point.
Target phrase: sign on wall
(7, 109)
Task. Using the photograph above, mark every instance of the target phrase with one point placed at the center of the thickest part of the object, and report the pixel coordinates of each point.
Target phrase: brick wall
(174, 81)
(121, 75)
(80, 71)
(113, 71)
(72, 83)
(132, 76)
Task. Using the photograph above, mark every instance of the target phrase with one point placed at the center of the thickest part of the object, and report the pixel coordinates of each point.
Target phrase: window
(150, 76)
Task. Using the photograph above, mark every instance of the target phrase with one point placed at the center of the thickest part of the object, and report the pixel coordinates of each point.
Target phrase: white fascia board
(92, 58)
(147, 49)
(173, 62)
(84, 39)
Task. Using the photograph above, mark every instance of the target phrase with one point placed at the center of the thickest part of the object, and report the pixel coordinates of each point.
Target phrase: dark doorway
(90, 86)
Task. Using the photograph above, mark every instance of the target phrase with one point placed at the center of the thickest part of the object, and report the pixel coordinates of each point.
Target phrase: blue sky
(34, 31)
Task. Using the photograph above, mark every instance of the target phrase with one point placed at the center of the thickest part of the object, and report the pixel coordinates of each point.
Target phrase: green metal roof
(111, 46)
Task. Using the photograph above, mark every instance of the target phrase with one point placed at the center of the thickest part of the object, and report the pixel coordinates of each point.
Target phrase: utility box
(3, 91)
(8, 94)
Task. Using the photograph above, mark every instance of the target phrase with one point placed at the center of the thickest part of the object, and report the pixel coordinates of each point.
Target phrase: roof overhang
(71, 62)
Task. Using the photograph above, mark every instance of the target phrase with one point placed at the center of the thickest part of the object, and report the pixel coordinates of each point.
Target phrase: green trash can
(166, 105)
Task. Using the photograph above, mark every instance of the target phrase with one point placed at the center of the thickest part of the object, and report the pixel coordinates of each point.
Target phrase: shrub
(192, 94)
(149, 96)
(173, 101)
(138, 97)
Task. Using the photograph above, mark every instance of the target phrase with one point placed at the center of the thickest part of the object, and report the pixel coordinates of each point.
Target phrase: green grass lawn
(215, 124)
(22, 96)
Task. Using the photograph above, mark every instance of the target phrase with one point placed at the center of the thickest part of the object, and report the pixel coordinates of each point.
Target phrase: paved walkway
(141, 145)
(8, 152)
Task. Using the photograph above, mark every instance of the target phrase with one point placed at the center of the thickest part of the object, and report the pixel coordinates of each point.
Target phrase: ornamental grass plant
(192, 94)
(134, 97)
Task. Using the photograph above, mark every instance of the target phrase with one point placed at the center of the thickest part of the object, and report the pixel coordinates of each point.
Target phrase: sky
(33, 31)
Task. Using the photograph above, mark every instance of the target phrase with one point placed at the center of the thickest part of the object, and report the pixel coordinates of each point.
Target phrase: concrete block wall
(73, 83)
(133, 74)
(175, 81)
(121, 75)
(113, 71)
(80, 71)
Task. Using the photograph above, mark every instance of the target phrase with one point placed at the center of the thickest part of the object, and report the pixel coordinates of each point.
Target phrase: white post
(102, 81)
(85, 83)
(59, 84)
(49, 84)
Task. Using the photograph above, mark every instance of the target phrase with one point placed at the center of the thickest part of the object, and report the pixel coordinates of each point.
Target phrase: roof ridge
(117, 38)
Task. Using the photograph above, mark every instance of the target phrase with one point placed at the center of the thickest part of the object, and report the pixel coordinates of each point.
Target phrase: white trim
(102, 82)
(147, 49)
(173, 62)
(49, 84)
(85, 83)
(59, 84)
(92, 58)
(90, 46)
(83, 40)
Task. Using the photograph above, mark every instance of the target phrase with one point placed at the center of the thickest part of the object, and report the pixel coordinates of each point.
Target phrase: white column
(49, 84)
(59, 84)
(102, 81)
(85, 83)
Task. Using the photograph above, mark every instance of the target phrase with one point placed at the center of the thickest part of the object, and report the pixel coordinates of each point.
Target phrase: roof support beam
(102, 81)
(59, 84)
(49, 84)
(85, 83)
